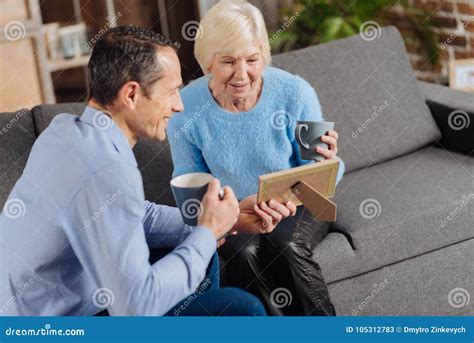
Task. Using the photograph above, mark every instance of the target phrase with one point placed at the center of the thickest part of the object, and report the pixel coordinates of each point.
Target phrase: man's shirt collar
(104, 123)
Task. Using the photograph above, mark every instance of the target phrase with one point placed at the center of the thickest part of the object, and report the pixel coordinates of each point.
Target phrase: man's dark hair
(123, 54)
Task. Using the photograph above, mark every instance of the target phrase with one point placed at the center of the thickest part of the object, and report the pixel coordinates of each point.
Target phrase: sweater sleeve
(310, 110)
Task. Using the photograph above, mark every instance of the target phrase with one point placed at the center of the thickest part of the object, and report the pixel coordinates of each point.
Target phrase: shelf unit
(30, 78)
(25, 16)
(56, 65)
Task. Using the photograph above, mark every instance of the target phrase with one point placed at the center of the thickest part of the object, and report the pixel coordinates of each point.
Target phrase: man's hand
(262, 218)
(219, 215)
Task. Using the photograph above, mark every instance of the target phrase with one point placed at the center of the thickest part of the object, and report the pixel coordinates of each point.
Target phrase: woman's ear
(208, 70)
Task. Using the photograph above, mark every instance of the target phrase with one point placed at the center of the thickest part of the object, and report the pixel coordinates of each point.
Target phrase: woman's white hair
(229, 26)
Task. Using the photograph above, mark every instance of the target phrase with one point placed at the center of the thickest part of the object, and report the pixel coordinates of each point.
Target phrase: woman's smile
(238, 87)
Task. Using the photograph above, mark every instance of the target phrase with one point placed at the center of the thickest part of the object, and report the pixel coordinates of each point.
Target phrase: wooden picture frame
(310, 185)
(461, 75)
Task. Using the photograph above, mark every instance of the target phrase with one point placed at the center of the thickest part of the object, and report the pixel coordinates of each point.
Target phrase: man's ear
(129, 94)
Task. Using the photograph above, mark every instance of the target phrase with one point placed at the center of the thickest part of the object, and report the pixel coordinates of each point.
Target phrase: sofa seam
(35, 122)
(400, 261)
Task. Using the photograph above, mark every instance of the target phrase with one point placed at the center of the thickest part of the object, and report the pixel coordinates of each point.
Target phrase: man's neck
(117, 118)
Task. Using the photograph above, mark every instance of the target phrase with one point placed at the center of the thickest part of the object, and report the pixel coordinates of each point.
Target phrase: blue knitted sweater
(239, 147)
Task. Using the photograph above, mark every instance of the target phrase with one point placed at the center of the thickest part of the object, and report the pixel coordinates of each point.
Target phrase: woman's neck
(241, 104)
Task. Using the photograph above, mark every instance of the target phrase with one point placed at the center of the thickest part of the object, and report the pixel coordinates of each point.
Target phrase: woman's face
(238, 74)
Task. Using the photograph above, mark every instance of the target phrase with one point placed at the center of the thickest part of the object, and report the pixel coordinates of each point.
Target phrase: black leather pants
(278, 267)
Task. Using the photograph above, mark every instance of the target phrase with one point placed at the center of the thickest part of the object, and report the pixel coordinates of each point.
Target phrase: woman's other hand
(263, 217)
(331, 139)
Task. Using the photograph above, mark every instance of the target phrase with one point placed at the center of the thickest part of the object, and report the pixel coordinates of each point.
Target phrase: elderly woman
(232, 128)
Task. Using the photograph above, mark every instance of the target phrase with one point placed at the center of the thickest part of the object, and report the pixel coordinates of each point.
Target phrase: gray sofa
(403, 243)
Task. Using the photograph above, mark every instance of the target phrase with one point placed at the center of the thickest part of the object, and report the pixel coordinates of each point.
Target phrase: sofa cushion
(429, 284)
(156, 166)
(453, 111)
(153, 158)
(17, 135)
(369, 90)
(399, 209)
(44, 114)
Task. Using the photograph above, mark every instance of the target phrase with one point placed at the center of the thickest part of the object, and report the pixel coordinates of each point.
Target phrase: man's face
(152, 113)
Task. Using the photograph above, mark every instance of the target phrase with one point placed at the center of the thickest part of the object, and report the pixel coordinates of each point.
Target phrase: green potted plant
(309, 22)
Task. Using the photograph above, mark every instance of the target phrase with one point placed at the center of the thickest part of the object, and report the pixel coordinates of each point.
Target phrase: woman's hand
(331, 139)
(263, 217)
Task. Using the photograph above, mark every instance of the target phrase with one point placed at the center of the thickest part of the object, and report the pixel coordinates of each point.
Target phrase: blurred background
(45, 44)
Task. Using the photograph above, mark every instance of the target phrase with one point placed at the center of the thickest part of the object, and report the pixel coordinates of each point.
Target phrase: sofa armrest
(453, 111)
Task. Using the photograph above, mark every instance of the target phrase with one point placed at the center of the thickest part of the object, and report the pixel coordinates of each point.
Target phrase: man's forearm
(170, 279)
(164, 226)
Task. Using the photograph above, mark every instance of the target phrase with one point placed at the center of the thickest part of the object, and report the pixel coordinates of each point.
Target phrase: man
(81, 243)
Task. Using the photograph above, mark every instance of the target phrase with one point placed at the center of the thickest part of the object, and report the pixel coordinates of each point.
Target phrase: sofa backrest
(368, 88)
(153, 158)
(17, 135)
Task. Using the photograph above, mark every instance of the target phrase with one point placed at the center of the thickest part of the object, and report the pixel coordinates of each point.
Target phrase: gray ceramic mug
(188, 191)
(308, 135)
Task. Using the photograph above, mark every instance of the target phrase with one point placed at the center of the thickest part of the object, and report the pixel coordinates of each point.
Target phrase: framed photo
(461, 75)
(321, 176)
(310, 185)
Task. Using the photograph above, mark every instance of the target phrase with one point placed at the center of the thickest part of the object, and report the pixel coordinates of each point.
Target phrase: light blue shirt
(76, 230)
(239, 147)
